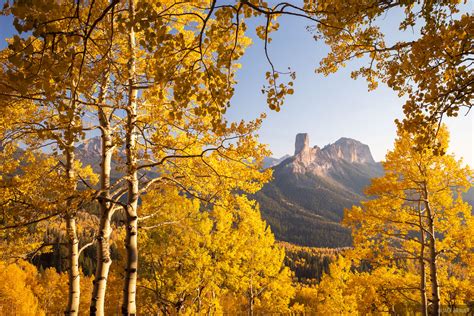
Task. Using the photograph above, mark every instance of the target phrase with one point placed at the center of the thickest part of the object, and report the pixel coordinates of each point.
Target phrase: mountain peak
(329, 158)
(347, 140)
(301, 142)
(305, 199)
(350, 150)
(92, 145)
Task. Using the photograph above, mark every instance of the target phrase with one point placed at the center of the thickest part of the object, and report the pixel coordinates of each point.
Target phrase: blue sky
(325, 107)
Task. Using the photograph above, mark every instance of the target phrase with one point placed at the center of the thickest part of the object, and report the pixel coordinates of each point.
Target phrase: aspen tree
(417, 213)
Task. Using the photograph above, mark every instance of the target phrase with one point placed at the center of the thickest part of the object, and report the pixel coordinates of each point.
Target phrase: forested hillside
(309, 264)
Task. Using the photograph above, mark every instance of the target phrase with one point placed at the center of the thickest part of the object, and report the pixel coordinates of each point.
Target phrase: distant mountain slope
(269, 162)
(305, 201)
(469, 198)
(89, 153)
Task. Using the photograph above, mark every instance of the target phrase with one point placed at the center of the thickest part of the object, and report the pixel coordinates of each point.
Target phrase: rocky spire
(301, 142)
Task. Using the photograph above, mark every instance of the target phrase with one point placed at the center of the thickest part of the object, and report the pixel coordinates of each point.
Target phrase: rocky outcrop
(301, 143)
(350, 150)
(321, 161)
(304, 202)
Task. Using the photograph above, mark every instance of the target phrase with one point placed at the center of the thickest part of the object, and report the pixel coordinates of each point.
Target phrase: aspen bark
(130, 282)
(435, 308)
(74, 278)
(424, 300)
(103, 266)
(435, 295)
(73, 267)
(251, 304)
(251, 299)
(104, 259)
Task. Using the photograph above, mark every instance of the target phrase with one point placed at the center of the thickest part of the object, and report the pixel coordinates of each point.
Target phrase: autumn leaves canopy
(154, 80)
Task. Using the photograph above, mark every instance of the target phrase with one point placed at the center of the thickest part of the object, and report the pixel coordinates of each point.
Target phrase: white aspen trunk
(73, 268)
(424, 299)
(74, 278)
(435, 295)
(435, 308)
(104, 259)
(199, 301)
(251, 298)
(131, 244)
(103, 266)
(251, 304)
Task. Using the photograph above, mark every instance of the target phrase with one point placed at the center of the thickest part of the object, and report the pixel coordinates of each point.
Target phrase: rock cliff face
(304, 203)
(320, 161)
(301, 143)
(350, 150)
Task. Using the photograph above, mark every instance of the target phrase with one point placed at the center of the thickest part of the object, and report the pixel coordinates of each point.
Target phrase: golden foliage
(200, 257)
(26, 291)
(430, 61)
